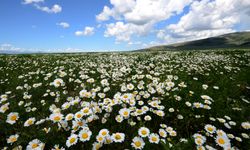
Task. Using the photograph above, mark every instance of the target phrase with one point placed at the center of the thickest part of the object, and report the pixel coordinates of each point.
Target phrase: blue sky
(103, 25)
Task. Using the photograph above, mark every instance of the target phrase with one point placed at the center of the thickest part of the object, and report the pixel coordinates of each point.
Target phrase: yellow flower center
(14, 139)
(80, 123)
(210, 129)
(100, 138)
(144, 132)
(72, 140)
(162, 133)
(221, 141)
(199, 141)
(13, 118)
(35, 145)
(30, 122)
(154, 139)
(78, 115)
(104, 133)
(86, 111)
(139, 111)
(138, 144)
(108, 141)
(70, 117)
(118, 137)
(57, 118)
(85, 135)
(125, 113)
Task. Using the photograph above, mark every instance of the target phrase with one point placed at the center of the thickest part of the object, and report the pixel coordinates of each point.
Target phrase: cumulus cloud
(88, 31)
(32, 1)
(207, 18)
(54, 9)
(63, 24)
(204, 18)
(124, 31)
(140, 16)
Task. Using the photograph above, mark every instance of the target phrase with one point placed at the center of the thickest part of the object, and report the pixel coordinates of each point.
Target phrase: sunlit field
(138, 100)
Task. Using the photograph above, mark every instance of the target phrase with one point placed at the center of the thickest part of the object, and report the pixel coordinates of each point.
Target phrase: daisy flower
(124, 112)
(245, 125)
(85, 135)
(118, 137)
(12, 139)
(210, 128)
(86, 111)
(223, 141)
(56, 117)
(35, 145)
(104, 132)
(78, 115)
(100, 138)
(143, 132)
(147, 118)
(172, 133)
(29, 122)
(119, 118)
(4, 108)
(162, 133)
(138, 143)
(72, 140)
(12, 117)
(58, 82)
(96, 146)
(130, 86)
(199, 139)
(69, 117)
(154, 138)
(108, 140)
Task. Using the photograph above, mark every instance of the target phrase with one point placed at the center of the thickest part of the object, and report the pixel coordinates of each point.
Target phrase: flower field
(138, 100)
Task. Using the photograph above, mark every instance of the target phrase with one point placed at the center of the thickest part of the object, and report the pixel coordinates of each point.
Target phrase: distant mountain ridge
(231, 40)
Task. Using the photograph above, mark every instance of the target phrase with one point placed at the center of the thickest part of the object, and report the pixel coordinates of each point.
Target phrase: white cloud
(207, 18)
(105, 15)
(32, 1)
(88, 31)
(140, 16)
(63, 24)
(54, 9)
(142, 11)
(124, 31)
(204, 18)
(8, 47)
(120, 7)
(146, 11)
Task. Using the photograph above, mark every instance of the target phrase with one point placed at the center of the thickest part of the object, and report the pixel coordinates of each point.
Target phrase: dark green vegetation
(176, 78)
(228, 41)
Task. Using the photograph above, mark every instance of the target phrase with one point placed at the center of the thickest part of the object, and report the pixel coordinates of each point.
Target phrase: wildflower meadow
(126, 100)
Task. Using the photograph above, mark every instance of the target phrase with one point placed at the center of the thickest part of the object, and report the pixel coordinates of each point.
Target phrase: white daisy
(118, 137)
(138, 143)
(154, 138)
(143, 132)
(72, 140)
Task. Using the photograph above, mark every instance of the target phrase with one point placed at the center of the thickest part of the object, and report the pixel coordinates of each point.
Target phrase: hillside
(231, 40)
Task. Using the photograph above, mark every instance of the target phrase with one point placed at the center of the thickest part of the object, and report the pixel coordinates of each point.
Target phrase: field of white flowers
(155, 100)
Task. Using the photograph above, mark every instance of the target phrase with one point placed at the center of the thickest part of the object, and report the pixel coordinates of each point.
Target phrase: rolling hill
(231, 40)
